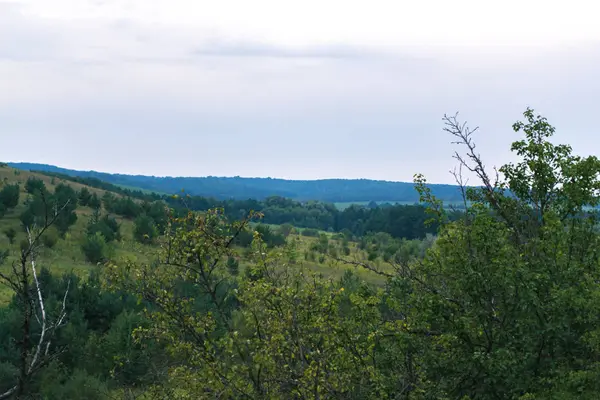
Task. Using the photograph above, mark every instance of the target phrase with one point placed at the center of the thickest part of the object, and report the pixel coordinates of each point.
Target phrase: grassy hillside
(328, 190)
(67, 256)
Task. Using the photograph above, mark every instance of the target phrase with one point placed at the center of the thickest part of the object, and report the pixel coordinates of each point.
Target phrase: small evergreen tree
(145, 230)
(94, 248)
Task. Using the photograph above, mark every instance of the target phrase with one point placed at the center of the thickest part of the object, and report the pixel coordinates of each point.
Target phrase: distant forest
(399, 221)
(327, 190)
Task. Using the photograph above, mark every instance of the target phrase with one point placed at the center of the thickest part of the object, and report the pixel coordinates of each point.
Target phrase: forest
(224, 188)
(189, 297)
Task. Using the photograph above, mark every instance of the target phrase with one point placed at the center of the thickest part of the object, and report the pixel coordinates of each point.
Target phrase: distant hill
(327, 190)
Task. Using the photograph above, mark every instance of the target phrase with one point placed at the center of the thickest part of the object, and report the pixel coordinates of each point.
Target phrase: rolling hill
(327, 190)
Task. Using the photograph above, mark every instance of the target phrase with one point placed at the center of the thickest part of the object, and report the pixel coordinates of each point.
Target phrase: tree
(509, 293)
(107, 226)
(85, 196)
(94, 203)
(94, 248)
(9, 196)
(10, 233)
(285, 229)
(66, 195)
(274, 333)
(34, 349)
(145, 230)
(35, 186)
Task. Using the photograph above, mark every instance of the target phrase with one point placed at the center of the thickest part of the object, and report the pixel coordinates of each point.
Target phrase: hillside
(328, 190)
(66, 255)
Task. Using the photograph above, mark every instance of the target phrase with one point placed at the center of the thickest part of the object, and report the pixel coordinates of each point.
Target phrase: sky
(289, 89)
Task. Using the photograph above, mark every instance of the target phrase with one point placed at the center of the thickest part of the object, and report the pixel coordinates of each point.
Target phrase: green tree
(285, 229)
(66, 198)
(145, 230)
(94, 203)
(508, 294)
(35, 186)
(9, 196)
(85, 196)
(288, 340)
(94, 248)
(106, 225)
(11, 234)
(233, 265)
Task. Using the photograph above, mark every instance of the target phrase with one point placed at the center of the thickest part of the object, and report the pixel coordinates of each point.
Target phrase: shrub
(145, 230)
(94, 248)
(310, 232)
(9, 196)
(11, 234)
(270, 238)
(233, 266)
(107, 226)
(285, 229)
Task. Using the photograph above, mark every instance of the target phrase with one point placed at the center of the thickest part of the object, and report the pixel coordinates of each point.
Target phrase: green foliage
(271, 238)
(285, 229)
(95, 248)
(107, 226)
(9, 196)
(233, 265)
(94, 203)
(85, 196)
(11, 234)
(278, 345)
(310, 232)
(502, 302)
(35, 186)
(65, 198)
(145, 230)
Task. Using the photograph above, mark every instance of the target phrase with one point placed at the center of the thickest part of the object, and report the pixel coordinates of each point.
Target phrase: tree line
(326, 190)
(400, 221)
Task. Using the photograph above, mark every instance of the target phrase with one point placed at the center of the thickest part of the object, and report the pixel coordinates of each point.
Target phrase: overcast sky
(292, 89)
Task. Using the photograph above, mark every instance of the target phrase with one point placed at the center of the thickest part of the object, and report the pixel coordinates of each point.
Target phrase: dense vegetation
(328, 190)
(400, 221)
(502, 304)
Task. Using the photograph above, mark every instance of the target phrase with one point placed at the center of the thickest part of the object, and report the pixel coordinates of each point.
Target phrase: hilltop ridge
(327, 190)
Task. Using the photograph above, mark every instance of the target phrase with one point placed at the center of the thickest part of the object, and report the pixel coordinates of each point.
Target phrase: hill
(327, 190)
(65, 254)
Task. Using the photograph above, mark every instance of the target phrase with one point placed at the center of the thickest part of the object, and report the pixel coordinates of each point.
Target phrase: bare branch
(8, 393)
(365, 266)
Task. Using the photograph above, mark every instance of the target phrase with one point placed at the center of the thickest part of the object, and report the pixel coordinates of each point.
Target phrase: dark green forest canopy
(328, 190)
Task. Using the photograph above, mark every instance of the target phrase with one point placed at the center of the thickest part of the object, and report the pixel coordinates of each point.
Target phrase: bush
(95, 249)
(309, 232)
(11, 234)
(9, 196)
(145, 230)
(244, 238)
(285, 230)
(84, 196)
(233, 266)
(107, 226)
(270, 238)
